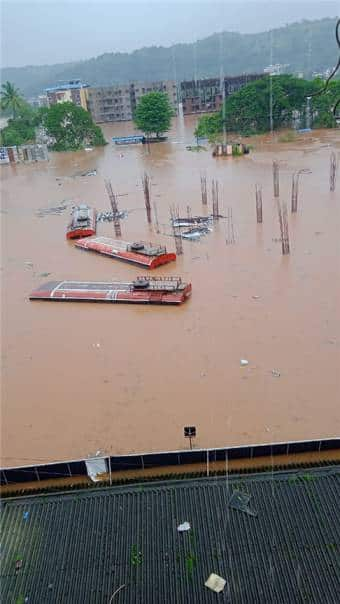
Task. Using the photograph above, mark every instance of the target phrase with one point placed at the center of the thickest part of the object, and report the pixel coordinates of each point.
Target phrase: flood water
(120, 378)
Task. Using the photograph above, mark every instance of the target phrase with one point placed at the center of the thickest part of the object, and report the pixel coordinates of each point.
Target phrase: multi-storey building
(110, 103)
(199, 96)
(139, 89)
(74, 91)
(117, 103)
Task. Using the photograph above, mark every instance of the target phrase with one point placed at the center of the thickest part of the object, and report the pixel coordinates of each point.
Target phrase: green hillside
(307, 46)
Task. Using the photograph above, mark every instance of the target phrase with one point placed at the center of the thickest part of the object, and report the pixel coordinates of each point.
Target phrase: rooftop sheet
(83, 545)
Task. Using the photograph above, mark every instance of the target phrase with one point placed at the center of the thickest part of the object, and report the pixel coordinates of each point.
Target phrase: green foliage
(247, 111)
(11, 98)
(136, 556)
(21, 129)
(39, 116)
(322, 104)
(153, 113)
(209, 126)
(242, 53)
(308, 477)
(196, 148)
(72, 127)
(190, 561)
(236, 151)
(287, 137)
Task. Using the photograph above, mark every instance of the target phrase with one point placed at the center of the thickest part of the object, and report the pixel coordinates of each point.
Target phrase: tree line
(248, 110)
(68, 125)
(71, 127)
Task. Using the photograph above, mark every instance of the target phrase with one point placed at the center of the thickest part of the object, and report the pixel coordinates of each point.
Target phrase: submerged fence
(116, 463)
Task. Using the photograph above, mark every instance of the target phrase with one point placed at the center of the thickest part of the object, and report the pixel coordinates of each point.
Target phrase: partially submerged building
(23, 153)
(205, 95)
(110, 103)
(73, 91)
(117, 103)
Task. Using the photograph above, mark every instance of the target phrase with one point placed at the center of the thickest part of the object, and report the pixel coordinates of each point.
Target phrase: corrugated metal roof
(80, 547)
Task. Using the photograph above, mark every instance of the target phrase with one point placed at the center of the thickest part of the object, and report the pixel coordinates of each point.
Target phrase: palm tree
(10, 97)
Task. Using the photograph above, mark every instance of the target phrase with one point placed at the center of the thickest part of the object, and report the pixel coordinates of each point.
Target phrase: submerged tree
(11, 98)
(71, 127)
(209, 126)
(153, 113)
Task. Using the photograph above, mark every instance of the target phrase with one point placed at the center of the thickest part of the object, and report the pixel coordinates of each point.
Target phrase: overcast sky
(55, 31)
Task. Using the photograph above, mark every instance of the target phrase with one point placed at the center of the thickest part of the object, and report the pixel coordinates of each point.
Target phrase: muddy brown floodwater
(81, 377)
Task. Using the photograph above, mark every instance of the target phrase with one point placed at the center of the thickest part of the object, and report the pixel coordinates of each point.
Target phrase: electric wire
(334, 71)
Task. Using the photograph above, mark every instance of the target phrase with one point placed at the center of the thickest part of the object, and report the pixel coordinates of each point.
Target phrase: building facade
(139, 89)
(109, 103)
(200, 96)
(23, 153)
(73, 91)
(117, 103)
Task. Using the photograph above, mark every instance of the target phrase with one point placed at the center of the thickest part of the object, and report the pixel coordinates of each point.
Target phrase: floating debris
(53, 210)
(89, 173)
(110, 216)
(239, 501)
(191, 221)
(196, 232)
(195, 148)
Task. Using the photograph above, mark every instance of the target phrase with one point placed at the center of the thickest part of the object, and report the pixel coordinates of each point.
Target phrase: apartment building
(139, 89)
(73, 91)
(110, 103)
(199, 96)
(117, 103)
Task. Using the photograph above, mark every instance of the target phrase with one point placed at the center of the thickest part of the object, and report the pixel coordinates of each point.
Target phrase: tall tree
(11, 98)
(72, 127)
(153, 113)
